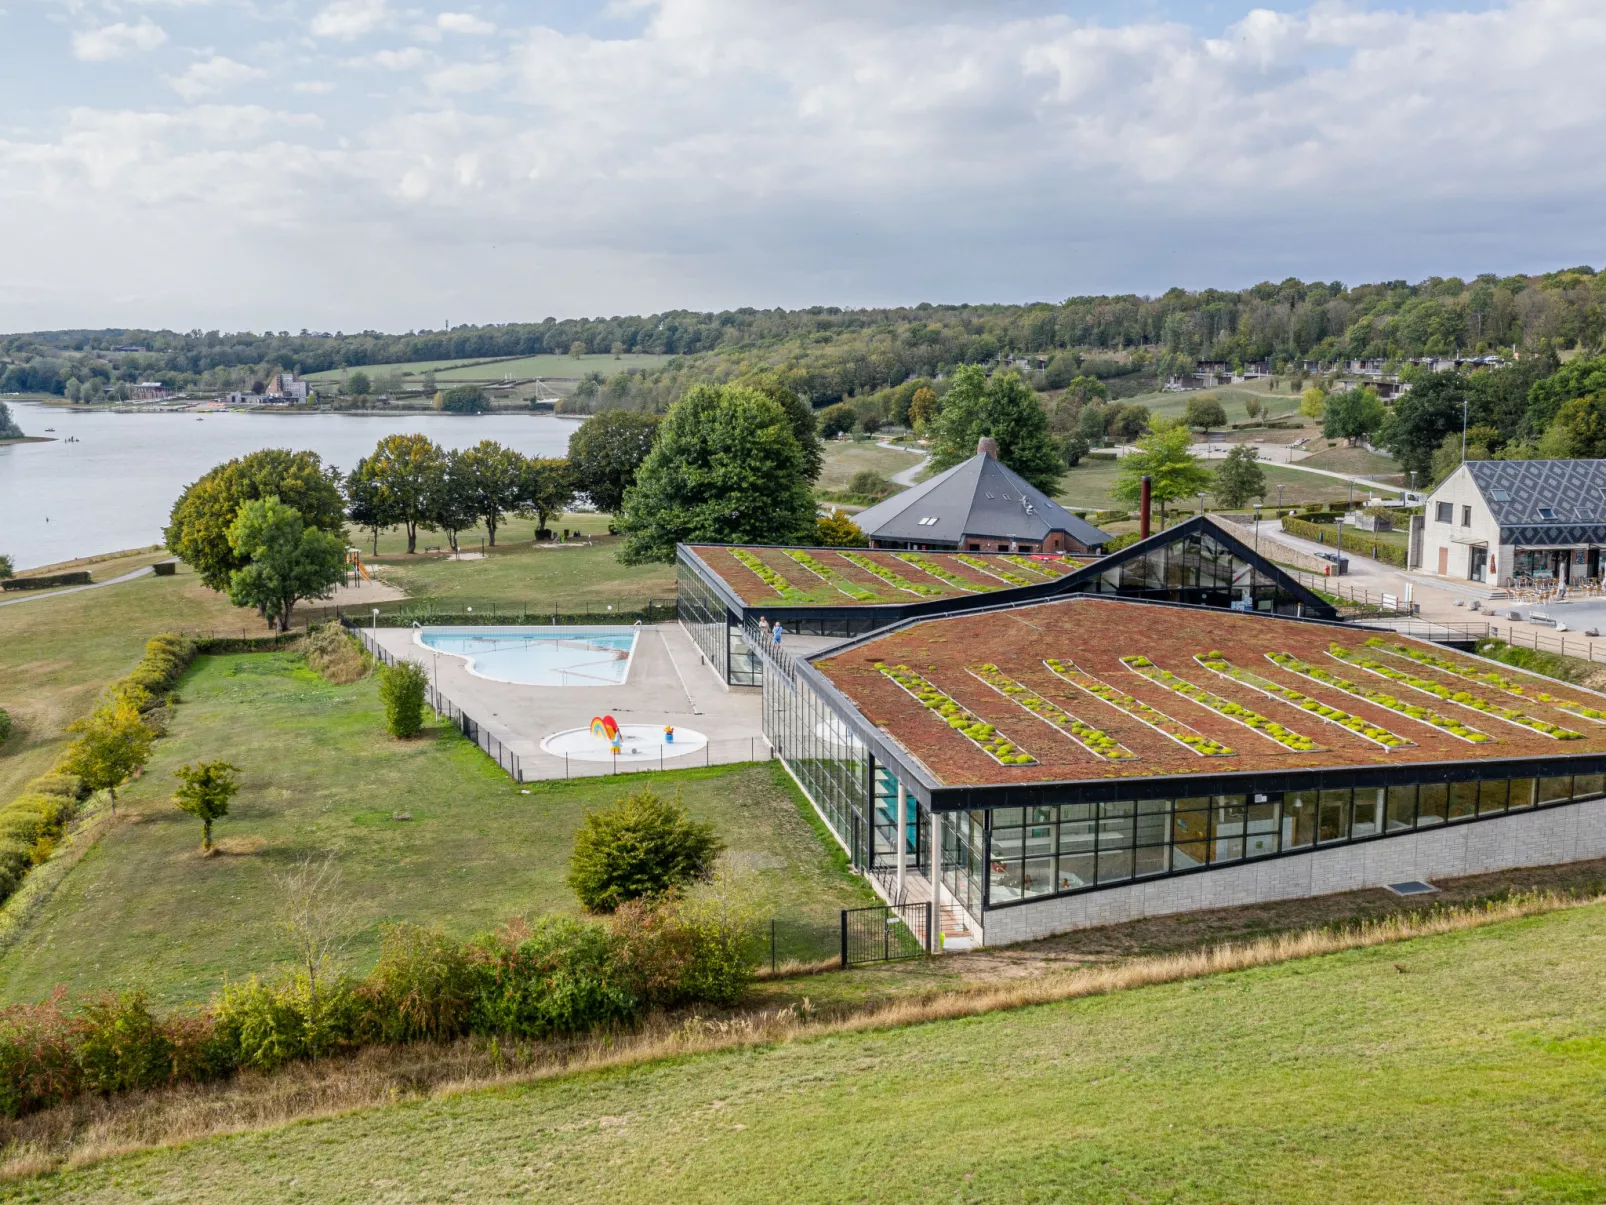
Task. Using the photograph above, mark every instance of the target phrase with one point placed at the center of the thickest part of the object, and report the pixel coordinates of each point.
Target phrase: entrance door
(1444, 561)
(1477, 562)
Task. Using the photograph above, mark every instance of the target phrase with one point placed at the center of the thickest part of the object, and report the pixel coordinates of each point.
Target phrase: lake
(113, 488)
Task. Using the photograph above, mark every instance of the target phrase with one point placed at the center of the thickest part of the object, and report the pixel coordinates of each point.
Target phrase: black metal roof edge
(1245, 782)
(1220, 532)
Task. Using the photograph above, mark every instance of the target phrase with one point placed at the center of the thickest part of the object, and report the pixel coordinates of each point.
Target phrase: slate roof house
(1495, 520)
(979, 505)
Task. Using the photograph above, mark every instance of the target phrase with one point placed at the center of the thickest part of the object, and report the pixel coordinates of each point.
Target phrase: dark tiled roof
(978, 497)
(1574, 489)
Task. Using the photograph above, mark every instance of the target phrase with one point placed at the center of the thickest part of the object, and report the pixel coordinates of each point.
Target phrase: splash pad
(637, 743)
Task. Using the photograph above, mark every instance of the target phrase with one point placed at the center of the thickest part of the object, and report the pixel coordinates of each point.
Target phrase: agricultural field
(461, 371)
(428, 830)
(1463, 1067)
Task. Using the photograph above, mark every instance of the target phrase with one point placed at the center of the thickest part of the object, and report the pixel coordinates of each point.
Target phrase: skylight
(1547, 512)
(1501, 495)
(929, 521)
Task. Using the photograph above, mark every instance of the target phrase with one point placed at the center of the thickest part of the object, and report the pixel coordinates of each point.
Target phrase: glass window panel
(1587, 786)
(1008, 844)
(1299, 819)
(1148, 807)
(1005, 881)
(1076, 871)
(1368, 815)
(1039, 841)
(1038, 878)
(1079, 812)
(1433, 804)
(1334, 822)
(1229, 816)
(1115, 866)
(1261, 834)
(1463, 800)
(1401, 807)
(1041, 815)
(1009, 817)
(1555, 790)
(1522, 792)
(1190, 834)
(1153, 827)
(1116, 825)
(1077, 836)
(1152, 859)
(1493, 796)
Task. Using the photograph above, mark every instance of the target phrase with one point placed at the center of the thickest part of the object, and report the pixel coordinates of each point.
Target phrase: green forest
(828, 354)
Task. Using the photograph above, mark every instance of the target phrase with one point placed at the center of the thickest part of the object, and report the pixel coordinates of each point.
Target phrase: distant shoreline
(28, 439)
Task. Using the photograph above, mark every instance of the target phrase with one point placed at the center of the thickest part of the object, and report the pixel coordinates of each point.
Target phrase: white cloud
(724, 152)
(348, 19)
(464, 23)
(317, 87)
(117, 41)
(207, 76)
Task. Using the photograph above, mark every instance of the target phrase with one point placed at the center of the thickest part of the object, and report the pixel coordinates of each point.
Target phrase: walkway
(906, 476)
(111, 581)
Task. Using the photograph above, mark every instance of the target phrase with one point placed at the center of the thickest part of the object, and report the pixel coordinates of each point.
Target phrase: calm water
(114, 488)
(558, 657)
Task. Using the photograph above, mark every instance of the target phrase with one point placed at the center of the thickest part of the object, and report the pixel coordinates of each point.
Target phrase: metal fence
(885, 933)
(1371, 600)
(1578, 646)
(406, 612)
(1430, 629)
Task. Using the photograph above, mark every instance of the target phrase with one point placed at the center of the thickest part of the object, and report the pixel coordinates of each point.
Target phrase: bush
(266, 1025)
(839, 419)
(641, 846)
(423, 988)
(58, 783)
(121, 1046)
(869, 486)
(5, 725)
(559, 976)
(401, 686)
(37, 1064)
(336, 656)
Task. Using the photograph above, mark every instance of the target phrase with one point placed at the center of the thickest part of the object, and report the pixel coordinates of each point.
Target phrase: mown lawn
(144, 909)
(1092, 482)
(56, 654)
(1462, 1068)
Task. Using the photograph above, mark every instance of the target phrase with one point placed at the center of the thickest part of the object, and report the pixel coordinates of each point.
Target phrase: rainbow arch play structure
(606, 728)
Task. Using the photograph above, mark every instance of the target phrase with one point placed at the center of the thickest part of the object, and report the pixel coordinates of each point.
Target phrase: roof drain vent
(1412, 887)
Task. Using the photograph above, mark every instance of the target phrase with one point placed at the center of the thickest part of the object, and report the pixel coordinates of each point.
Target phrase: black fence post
(772, 945)
(844, 939)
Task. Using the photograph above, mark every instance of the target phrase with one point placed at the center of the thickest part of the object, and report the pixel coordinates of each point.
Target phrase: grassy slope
(844, 458)
(1091, 482)
(1474, 1075)
(320, 775)
(57, 653)
(572, 367)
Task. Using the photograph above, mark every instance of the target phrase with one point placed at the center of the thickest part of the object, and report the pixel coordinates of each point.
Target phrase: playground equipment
(606, 728)
(355, 566)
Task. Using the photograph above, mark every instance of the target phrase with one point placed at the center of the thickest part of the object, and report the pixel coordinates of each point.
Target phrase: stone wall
(1568, 833)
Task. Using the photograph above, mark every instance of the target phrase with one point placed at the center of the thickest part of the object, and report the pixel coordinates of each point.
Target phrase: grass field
(1091, 483)
(319, 775)
(1360, 461)
(1448, 1069)
(1232, 397)
(844, 458)
(494, 369)
(56, 654)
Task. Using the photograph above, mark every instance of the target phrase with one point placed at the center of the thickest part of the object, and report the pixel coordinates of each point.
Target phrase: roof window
(1505, 495)
(1547, 512)
(929, 521)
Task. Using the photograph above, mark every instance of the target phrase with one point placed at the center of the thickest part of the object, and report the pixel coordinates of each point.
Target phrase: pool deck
(667, 685)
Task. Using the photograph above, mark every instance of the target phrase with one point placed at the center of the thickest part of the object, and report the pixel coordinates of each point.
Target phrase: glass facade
(704, 616)
(916, 828)
(827, 758)
(1198, 569)
(964, 846)
(1041, 851)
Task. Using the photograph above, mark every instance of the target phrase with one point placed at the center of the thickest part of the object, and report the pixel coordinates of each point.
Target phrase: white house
(1495, 520)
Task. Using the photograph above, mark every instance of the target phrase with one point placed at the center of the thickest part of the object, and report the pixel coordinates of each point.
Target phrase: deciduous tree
(113, 741)
(1204, 413)
(838, 530)
(1240, 478)
(358, 384)
(286, 560)
(606, 453)
(726, 468)
(1352, 414)
(198, 530)
(452, 506)
(1165, 456)
(207, 788)
(495, 479)
(839, 419)
(405, 468)
(1005, 409)
(547, 490)
(365, 501)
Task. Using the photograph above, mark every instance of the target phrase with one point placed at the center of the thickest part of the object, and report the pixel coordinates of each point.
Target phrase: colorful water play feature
(637, 743)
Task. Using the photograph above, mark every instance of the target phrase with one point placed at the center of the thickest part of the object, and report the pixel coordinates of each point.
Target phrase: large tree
(1422, 418)
(1582, 377)
(607, 451)
(548, 488)
(199, 528)
(8, 428)
(453, 506)
(365, 501)
(1240, 478)
(286, 560)
(726, 468)
(405, 468)
(1005, 409)
(1352, 414)
(1164, 455)
(495, 478)
(1204, 412)
(801, 415)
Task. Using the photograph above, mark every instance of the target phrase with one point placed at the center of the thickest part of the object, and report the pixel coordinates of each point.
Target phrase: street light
(1201, 502)
(376, 623)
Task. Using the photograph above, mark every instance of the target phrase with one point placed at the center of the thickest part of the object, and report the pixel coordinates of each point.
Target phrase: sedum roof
(1085, 689)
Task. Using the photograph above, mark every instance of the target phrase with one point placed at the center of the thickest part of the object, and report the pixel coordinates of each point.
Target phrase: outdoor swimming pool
(539, 656)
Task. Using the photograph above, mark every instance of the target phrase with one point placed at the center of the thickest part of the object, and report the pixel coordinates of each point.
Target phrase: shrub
(423, 987)
(5, 725)
(558, 976)
(401, 686)
(58, 783)
(641, 846)
(37, 1064)
(335, 656)
(120, 1045)
(266, 1025)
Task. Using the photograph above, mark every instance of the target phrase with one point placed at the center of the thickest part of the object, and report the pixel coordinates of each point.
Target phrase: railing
(887, 877)
(1430, 629)
(763, 643)
(406, 612)
(1578, 646)
(885, 933)
(1372, 600)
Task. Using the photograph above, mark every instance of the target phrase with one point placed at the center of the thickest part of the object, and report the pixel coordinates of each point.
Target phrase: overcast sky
(375, 163)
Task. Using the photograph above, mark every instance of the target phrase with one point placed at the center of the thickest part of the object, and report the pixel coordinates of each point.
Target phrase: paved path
(111, 581)
(906, 476)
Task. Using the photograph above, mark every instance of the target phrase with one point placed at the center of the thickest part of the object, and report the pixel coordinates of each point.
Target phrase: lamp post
(376, 623)
(1279, 495)
(1201, 502)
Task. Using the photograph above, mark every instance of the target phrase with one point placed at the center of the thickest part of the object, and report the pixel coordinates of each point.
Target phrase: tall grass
(94, 1128)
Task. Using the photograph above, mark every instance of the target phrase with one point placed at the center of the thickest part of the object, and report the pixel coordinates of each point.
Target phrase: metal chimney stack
(1143, 505)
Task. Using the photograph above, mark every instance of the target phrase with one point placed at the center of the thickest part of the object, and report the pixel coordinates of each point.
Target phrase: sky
(384, 164)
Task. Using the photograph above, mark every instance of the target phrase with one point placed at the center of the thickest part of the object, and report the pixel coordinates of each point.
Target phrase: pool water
(539, 656)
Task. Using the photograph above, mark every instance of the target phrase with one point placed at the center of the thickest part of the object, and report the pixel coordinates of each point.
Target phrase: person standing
(775, 635)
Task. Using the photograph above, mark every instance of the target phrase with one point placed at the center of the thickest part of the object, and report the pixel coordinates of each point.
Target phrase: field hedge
(554, 977)
(47, 582)
(1362, 542)
(32, 823)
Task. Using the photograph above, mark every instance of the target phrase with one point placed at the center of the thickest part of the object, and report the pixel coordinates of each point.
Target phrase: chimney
(1143, 506)
(987, 446)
